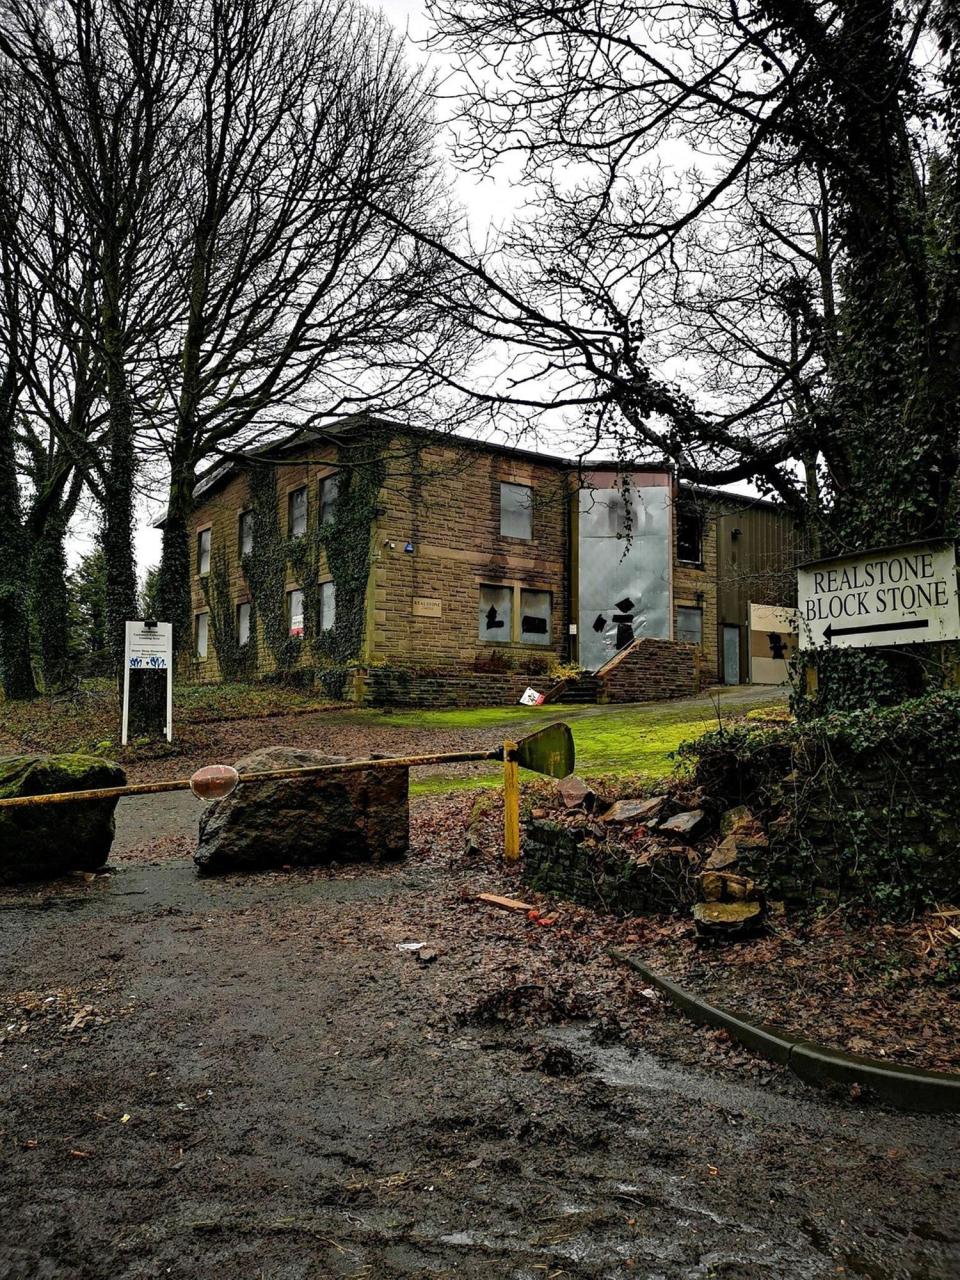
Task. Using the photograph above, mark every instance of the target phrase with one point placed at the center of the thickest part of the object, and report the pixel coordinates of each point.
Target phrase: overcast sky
(483, 200)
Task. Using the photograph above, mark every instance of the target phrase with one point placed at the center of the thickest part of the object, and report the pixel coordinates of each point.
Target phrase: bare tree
(15, 667)
(592, 103)
(292, 291)
(107, 86)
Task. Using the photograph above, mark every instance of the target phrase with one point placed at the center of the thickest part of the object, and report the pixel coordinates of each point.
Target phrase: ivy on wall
(345, 541)
(236, 661)
(266, 569)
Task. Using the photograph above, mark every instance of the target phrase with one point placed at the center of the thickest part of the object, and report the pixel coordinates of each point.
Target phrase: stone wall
(652, 669)
(568, 863)
(393, 686)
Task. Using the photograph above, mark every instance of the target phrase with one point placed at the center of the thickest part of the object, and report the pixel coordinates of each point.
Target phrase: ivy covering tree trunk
(173, 578)
(15, 667)
(51, 604)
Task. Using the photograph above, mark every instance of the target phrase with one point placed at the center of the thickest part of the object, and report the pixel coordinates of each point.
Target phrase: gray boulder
(361, 816)
(45, 842)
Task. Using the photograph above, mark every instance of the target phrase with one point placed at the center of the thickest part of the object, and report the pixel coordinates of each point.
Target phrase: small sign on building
(148, 681)
(427, 607)
(773, 641)
(890, 596)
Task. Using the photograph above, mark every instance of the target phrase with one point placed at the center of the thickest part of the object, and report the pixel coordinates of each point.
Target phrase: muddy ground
(249, 1078)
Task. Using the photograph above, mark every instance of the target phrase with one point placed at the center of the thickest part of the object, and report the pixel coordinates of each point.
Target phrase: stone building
(397, 565)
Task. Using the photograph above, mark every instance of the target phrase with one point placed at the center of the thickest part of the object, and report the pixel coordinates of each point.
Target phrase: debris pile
(650, 854)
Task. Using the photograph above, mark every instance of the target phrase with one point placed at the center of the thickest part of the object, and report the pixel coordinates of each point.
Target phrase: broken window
(243, 623)
(245, 533)
(295, 613)
(203, 552)
(496, 614)
(328, 606)
(516, 511)
(689, 534)
(329, 492)
(689, 625)
(535, 611)
(201, 634)
(297, 512)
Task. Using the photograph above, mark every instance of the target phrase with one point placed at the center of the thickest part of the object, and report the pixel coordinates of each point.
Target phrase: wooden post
(511, 803)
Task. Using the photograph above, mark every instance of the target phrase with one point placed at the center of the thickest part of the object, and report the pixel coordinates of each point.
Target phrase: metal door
(731, 655)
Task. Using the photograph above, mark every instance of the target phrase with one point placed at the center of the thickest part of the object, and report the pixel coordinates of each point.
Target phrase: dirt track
(304, 1099)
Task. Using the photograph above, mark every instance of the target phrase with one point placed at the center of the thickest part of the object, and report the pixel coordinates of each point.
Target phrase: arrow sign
(830, 631)
(886, 596)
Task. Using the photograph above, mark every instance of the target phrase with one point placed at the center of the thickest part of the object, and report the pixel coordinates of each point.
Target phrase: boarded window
(201, 628)
(496, 614)
(535, 613)
(203, 552)
(245, 533)
(689, 625)
(689, 534)
(243, 623)
(329, 492)
(328, 606)
(516, 511)
(295, 612)
(297, 513)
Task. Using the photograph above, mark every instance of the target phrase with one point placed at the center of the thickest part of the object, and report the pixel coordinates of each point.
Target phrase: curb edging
(903, 1087)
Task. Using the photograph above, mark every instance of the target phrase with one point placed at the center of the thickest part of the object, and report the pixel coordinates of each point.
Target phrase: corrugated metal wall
(756, 564)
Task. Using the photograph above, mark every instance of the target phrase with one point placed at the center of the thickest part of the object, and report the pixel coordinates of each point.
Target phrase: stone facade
(651, 670)
(444, 503)
(439, 553)
(220, 514)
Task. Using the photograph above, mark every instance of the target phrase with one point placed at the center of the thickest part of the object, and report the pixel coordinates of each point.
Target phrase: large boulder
(355, 816)
(46, 841)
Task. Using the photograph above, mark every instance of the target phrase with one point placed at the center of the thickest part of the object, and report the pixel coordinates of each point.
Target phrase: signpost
(890, 596)
(148, 681)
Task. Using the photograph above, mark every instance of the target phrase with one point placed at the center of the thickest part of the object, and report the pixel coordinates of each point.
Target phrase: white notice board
(148, 649)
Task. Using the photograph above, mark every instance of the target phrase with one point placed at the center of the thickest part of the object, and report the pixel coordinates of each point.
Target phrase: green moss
(618, 744)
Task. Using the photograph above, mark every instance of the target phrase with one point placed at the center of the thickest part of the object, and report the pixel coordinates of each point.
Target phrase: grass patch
(90, 720)
(616, 743)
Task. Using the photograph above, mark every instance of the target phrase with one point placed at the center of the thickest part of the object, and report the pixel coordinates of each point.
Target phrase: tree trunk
(173, 586)
(117, 527)
(48, 574)
(15, 667)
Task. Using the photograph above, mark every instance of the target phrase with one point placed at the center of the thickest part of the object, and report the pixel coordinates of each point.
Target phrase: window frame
(687, 512)
(321, 620)
(517, 484)
(244, 604)
(495, 586)
(322, 507)
(245, 514)
(290, 592)
(205, 532)
(689, 609)
(291, 494)
(205, 615)
(515, 635)
(547, 637)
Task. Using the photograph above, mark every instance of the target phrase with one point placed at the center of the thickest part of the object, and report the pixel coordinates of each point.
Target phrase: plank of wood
(505, 904)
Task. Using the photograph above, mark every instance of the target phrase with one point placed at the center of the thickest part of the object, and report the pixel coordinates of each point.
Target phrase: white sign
(895, 595)
(531, 698)
(148, 649)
